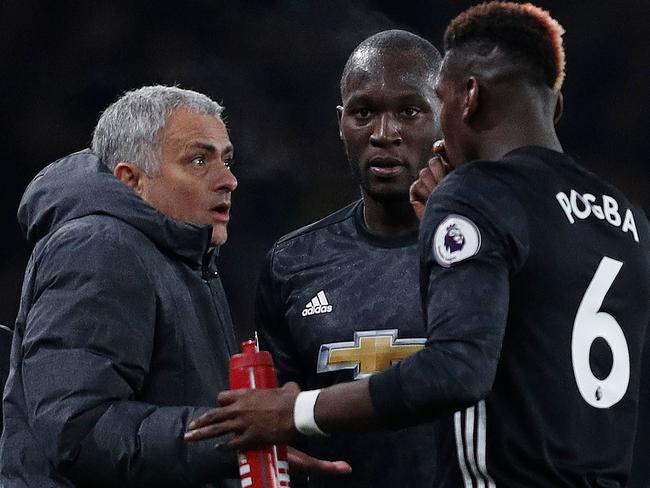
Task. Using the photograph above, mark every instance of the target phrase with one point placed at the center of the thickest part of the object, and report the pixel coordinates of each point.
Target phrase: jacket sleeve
(87, 345)
(272, 327)
(465, 302)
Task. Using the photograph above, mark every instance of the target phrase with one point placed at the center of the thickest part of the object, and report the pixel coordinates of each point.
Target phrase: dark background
(275, 66)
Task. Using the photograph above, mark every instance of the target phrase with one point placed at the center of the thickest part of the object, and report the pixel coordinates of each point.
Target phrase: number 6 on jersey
(591, 324)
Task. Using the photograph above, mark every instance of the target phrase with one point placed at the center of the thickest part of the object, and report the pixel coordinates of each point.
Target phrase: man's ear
(559, 108)
(339, 115)
(471, 99)
(131, 175)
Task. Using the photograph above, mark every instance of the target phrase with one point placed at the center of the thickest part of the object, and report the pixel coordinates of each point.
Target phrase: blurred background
(276, 66)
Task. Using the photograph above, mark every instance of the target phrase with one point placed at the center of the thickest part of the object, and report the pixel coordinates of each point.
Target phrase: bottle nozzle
(249, 347)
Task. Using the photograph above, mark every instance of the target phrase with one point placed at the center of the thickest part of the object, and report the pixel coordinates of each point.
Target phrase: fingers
(303, 462)
(428, 178)
(214, 423)
(228, 397)
(210, 417)
(417, 198)
(213, 430)
(255, 417)
(419, 192)
(440, 150)
(291, 386)
(245, 440)
(438, 170)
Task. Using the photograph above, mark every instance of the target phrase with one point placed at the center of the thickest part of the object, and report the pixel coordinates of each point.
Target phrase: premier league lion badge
(456, 238)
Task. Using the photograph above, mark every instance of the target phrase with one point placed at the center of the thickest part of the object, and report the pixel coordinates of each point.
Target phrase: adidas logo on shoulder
(316, 305)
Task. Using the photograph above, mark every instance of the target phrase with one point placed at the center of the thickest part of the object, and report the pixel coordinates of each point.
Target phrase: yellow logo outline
(371, 351)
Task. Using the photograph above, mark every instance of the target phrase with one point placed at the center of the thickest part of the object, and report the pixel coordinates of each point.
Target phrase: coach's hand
(430, 176)
(254, 418)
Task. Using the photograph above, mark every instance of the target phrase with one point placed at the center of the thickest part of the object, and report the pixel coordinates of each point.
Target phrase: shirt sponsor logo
(371, 351)
(582, 206)
(317, 305)
(456, 238)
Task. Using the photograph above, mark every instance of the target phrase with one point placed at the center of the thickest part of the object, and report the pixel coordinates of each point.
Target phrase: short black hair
(396, 41)
(526, 33)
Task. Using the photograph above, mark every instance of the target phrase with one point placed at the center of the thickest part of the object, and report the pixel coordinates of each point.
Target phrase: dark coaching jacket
(122, 338)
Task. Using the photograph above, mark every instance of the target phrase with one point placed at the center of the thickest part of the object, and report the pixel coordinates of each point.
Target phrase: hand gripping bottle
(268, 467)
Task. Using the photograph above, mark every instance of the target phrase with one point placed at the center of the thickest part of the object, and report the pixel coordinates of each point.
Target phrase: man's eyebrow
(409, 96)
(209, 147)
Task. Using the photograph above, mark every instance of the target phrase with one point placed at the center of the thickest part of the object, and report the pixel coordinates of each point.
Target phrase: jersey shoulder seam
(339, 216)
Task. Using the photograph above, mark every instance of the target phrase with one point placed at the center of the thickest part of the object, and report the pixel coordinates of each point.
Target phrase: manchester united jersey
(337, 303)
(535, 276)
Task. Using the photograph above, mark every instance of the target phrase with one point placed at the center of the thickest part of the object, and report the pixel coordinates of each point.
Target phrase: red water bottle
(262, 468)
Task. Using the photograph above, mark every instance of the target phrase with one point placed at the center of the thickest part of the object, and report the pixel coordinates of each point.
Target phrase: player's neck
(508, 137)
(393, 218)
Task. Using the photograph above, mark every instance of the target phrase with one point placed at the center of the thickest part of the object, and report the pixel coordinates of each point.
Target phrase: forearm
(433, 383)
(345, 407)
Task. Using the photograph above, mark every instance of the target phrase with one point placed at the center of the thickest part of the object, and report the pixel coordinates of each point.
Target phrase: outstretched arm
(262, 417)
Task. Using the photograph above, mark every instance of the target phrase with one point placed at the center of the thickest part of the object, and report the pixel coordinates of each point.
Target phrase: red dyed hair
(523, 29)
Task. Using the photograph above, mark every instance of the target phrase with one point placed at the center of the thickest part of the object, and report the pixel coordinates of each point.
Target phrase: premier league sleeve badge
(456, 238)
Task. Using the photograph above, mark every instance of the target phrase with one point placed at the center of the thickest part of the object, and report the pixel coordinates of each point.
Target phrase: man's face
(194, 183)
(388, 123)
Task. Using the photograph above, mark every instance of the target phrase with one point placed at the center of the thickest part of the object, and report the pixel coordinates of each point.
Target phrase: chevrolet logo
(370, 352)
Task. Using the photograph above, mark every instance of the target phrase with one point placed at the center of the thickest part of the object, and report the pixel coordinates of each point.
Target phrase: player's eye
(410, 112)
(229, 163)
(362, 112)
(198, 161)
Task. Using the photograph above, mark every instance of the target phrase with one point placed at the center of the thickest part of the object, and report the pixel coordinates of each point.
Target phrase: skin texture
(194, 183)
(388, 124)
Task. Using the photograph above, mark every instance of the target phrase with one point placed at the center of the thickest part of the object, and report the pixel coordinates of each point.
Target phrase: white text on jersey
(581, 206)
(316, 305)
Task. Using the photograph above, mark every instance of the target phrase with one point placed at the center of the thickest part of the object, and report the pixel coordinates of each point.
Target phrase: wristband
(303, 413)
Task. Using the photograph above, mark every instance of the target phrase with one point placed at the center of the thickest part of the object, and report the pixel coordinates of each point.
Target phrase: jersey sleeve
(473, 237)
(272, 326)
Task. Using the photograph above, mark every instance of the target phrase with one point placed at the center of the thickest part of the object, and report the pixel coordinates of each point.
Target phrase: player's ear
(471, 99)
(559, 108)
(131, 175)
(339, 115)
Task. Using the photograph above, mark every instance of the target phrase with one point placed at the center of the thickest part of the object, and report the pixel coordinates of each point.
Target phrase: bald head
(370, 56)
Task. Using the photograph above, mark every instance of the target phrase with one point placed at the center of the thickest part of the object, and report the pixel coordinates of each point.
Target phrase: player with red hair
(535, 278)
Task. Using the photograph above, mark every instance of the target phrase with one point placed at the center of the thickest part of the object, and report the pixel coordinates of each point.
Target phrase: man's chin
(387, 196)
(219, 236)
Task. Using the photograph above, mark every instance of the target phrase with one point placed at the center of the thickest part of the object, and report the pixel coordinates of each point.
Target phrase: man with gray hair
(124, 331)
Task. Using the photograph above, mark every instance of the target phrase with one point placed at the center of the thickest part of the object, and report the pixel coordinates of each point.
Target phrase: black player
(338, 300)
(535, 278)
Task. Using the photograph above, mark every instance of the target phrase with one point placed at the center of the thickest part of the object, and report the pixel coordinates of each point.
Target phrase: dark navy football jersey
(337, 303)
(535, 277)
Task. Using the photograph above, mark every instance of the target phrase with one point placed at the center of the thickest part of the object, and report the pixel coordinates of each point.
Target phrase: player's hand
(254, 418)
(303, 464)
(430, 176)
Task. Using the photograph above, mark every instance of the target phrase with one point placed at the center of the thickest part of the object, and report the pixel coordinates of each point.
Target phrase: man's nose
(224, 179)
(386, 131)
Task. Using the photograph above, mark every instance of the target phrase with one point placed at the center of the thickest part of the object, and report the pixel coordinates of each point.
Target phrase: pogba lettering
(581, 206)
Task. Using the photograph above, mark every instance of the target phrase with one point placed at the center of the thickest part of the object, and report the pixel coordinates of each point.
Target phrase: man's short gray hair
(130, 129)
